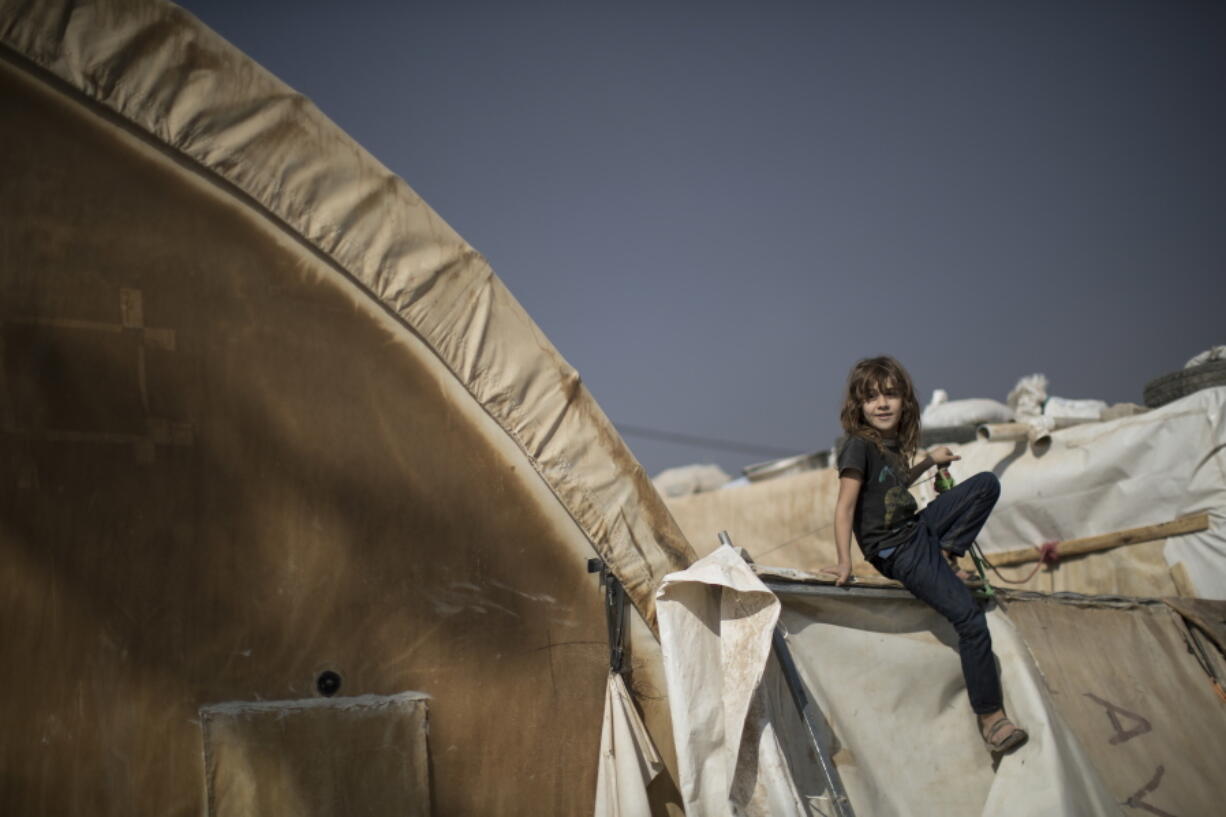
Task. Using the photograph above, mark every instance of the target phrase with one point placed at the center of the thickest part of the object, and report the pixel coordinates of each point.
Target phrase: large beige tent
(273, 432)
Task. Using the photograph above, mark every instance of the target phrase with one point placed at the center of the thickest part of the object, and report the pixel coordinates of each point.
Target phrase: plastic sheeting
(886, 677)
(1103, 477)
(628, 758)
(716, 623)
(886, 674)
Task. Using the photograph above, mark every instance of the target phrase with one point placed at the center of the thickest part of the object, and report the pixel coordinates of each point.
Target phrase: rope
(1049, 554)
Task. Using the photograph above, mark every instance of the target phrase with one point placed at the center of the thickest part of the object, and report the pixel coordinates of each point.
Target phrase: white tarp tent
(1102, 477)
(886, 678)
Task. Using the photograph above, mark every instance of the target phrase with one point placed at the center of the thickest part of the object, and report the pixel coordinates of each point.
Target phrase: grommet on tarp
(328, 683)
(615, 614)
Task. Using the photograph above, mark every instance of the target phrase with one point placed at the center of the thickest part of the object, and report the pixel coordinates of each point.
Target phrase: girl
(881, 419)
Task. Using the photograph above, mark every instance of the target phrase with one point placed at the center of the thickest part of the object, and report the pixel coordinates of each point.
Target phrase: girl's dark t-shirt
(885, 509)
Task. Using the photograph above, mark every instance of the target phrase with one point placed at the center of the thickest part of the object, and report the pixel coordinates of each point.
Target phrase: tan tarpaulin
(782, 522)
(163, 73)
(263, 416)
(1124, 680)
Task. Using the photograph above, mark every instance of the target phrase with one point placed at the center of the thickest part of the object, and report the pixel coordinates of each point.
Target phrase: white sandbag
(1210, 354)
(1028, 396)
(1082, 409)
(941, 412)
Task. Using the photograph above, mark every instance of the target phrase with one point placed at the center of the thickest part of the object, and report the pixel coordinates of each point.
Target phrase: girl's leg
(957, 516)
(921, 568)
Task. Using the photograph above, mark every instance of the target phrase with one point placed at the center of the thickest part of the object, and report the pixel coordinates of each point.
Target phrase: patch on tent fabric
(86, 381)
(364, 755)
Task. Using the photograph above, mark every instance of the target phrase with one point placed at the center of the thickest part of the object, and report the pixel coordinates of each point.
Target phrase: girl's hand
(842, 570)
(943, 456)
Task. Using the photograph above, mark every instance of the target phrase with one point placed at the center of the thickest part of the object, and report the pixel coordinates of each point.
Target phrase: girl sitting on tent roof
(881, 418)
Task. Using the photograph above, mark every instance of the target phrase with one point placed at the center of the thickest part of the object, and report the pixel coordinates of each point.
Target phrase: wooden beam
(1092, 544)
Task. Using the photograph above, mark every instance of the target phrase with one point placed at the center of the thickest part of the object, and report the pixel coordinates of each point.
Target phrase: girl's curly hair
(881, 374)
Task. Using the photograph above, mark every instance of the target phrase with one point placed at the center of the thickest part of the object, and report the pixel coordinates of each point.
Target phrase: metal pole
(615, 614)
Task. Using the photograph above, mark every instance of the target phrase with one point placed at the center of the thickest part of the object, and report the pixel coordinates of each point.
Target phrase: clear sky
(713, 209)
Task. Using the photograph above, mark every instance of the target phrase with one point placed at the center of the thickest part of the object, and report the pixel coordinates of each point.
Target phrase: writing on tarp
(1137, 725)
(1114, 712)
(1136, 802)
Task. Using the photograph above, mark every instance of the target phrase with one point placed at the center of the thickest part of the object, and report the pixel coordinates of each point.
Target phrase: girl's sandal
(1003, 743)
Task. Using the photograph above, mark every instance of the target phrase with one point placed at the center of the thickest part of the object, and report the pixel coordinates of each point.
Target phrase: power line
(705, 442)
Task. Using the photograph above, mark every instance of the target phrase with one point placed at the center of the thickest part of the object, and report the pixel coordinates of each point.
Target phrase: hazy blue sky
(713, 209)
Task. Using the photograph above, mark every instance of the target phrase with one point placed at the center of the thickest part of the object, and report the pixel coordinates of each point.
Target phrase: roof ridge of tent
(165, 74)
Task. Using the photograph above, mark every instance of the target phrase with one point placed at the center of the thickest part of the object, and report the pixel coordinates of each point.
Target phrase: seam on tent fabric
(190, 163)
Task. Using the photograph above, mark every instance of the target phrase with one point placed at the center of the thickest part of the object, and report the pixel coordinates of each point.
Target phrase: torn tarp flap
(628, 758)
(716, 622)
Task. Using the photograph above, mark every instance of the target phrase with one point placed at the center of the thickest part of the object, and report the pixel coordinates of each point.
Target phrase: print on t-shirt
(884, 505)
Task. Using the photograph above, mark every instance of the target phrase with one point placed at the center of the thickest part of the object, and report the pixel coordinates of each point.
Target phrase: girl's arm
(844, 511)
(937, 456)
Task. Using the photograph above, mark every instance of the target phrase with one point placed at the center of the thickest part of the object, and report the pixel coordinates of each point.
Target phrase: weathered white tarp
(716, 621)
(1103, 477)
(628, 758)
(885, 674)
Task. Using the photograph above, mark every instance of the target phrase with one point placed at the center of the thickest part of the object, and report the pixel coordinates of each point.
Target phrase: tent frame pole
(615, 614)
(838, 794)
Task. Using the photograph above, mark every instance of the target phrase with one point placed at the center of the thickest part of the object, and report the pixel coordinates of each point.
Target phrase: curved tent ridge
(173, 79)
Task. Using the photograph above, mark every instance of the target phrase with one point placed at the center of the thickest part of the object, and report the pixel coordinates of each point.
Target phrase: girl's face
(883, 408)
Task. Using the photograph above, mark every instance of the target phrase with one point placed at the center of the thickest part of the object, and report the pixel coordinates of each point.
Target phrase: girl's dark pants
(952, 522)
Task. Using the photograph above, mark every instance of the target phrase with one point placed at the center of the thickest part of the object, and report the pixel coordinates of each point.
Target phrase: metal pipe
(791, 589)
(838, 794)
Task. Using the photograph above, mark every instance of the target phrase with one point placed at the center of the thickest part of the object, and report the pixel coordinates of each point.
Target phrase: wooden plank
(1091, 544)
